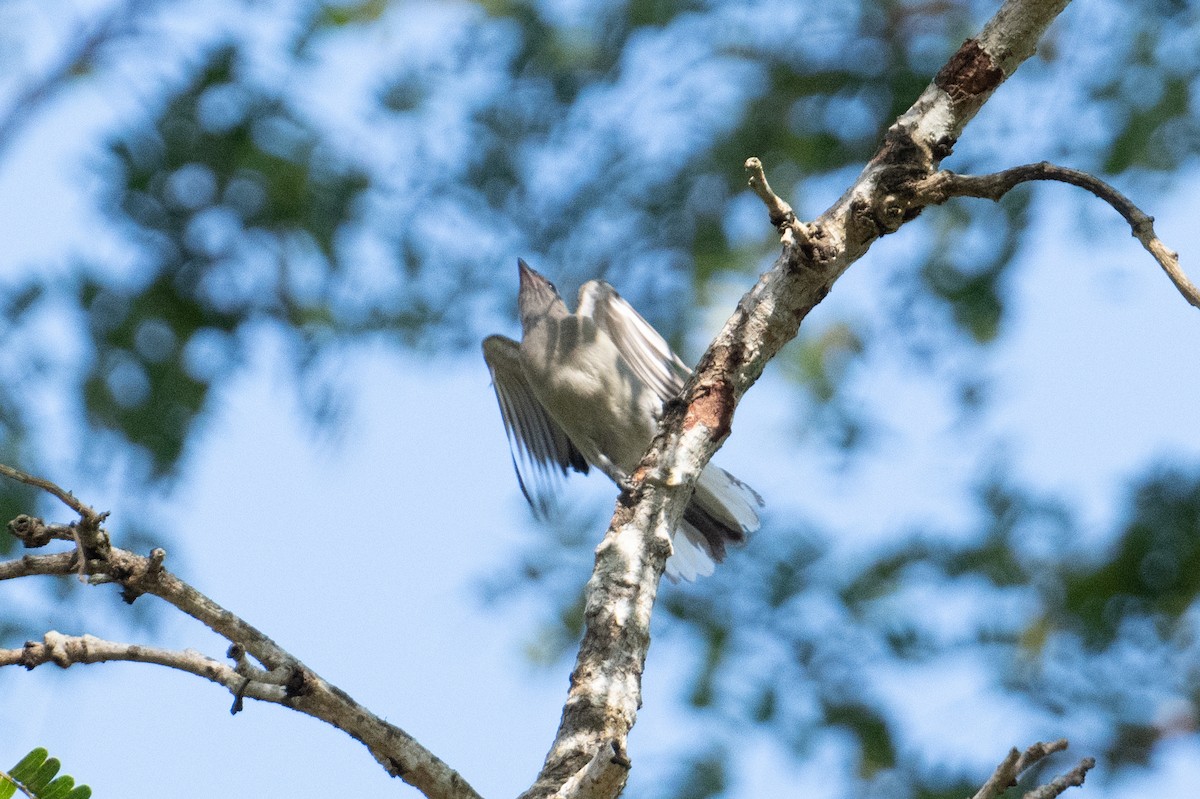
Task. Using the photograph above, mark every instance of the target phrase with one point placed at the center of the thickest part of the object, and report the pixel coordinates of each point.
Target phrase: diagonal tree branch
(605, 690)
(65, 497)
(283, 679)
(941, 186)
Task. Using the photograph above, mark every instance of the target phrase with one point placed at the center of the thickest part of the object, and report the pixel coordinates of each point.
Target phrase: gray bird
(587, 389)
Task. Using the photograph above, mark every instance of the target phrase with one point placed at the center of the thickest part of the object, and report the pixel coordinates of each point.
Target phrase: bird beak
(528, 276)
(537, 295)
(533, 283)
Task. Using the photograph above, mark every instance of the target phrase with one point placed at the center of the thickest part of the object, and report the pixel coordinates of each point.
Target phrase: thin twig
(66, 497)
(791, 230)
(1017, 763)
(1039, 752)
(1073, 778)
(941, 186)
(89, 536)
(1004, 776)
(35, 533)
(304, 691)
(58, 564)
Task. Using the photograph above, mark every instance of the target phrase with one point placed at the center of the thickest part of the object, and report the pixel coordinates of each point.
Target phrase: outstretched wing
(646, 352)
(541, 452)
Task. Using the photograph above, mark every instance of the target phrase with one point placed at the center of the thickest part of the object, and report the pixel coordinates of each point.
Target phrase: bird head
(537, 298)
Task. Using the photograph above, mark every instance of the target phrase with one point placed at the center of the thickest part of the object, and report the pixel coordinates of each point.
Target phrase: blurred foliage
(701, 777)
(607, 139)
(1153, 571)
(236, 211)
(790, 642)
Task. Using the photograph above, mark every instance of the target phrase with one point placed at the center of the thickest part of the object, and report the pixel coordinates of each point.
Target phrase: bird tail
(723, 511)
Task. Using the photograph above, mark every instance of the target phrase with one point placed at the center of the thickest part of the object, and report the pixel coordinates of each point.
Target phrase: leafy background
(981, 458)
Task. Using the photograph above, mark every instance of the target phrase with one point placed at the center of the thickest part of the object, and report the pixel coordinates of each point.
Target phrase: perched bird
(588, 389)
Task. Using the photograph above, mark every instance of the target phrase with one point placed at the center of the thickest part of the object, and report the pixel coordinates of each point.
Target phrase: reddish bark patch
(712, 406)
(969, 73)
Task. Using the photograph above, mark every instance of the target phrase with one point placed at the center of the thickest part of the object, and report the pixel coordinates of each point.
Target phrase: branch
(941, 186)
(283, 678)
(67, 650)
(605, 690)
(58, 565)
(1037, 753)
(791, 230)
(603, 776)
(1017, 763)
(87, 534)
(1072, 779)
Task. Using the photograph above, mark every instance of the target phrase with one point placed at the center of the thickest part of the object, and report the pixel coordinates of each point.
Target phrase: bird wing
(646, 352)
(538, 445)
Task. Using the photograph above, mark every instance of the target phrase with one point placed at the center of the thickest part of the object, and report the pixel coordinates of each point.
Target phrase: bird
(587, 389)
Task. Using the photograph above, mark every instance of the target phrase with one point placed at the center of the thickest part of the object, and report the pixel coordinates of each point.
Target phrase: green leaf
(44, 774)
(35, 774)
(29, 765)
(60, 788)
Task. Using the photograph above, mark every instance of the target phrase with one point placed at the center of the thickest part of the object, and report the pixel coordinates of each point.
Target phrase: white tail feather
(728, 499)
(690, 558)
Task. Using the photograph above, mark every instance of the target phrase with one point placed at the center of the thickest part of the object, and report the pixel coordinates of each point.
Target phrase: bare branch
(63, 496)
(602, 777)
(941, 186)
(1002, 778)
(1073, 778)
(1039, 752)
(791, 230)
(35, 533)
(605, 688)
(67, 650)
(88, 534)
(1017, 763)
(1014, 765)
(58, 564)
(284, 680)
